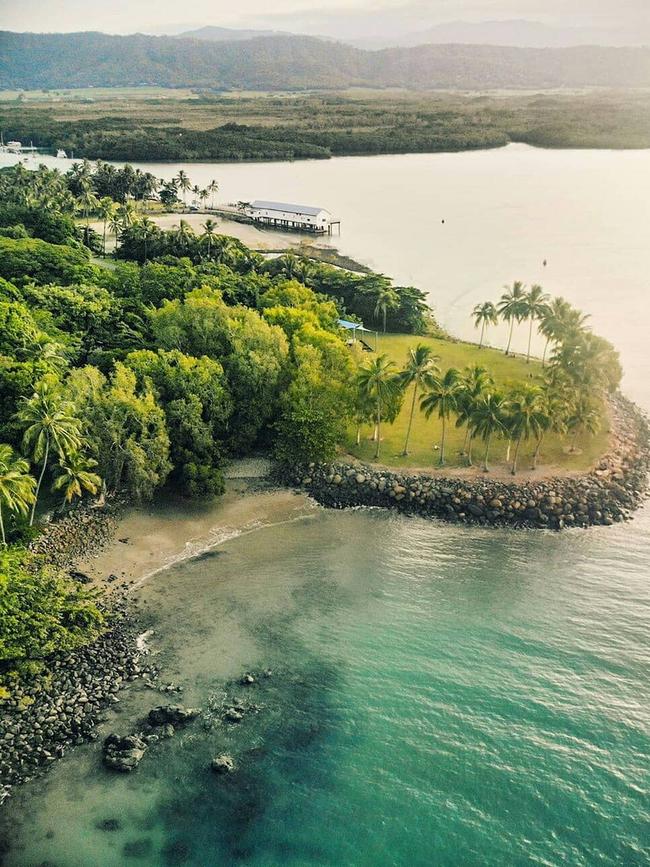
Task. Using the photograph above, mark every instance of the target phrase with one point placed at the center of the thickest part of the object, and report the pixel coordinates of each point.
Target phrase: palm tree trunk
(487, 450)
(408, 430)
(358, 434)
(442, 443)
(466, 441)
(480, 343)
(512, 325)
(514, 460)
(374, 432)
(536, 452)
(530, 337)
(508, 449)
(469, 453)
(2, 528)
(384, 320)
(548, 339)
(378, 428)
(104, 249)
(40, 479)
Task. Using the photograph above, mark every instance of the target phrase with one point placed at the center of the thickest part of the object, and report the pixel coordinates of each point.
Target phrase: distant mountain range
(286, 62)
(229, 34)
(518, 32)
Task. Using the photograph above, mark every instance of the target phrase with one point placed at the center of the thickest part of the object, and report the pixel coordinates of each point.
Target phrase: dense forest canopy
(30, 60)
(141, 124)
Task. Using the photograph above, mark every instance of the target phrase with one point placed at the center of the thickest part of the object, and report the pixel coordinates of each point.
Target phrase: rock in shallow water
(123, 753)
(223, 764)
(175, 714)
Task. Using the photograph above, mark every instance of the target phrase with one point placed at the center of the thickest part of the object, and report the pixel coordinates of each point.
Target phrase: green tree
(386, 299)
(485, 314)
(106, 207)
(50, 425)
(443, 394)
(213, 187)
(488, 420)
(418, 371)
(16, 486)
(534, 308)
(583, 417)
(208, 234)
(526, 417)
(75, 475)
(475, 380)
(124, 428)
(184, 184)
(511, 307)
(378, 380)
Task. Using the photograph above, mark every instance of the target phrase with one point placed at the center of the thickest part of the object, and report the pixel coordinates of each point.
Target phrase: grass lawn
(426, 434)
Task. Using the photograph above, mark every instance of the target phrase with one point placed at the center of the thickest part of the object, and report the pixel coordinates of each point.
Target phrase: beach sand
(157, 535)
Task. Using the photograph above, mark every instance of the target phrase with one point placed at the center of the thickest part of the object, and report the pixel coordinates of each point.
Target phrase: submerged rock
(123, 753)
(175, 714)
(247, 679)
(223, 764)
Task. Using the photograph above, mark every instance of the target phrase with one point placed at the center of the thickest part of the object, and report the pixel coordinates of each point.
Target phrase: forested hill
(29, 60)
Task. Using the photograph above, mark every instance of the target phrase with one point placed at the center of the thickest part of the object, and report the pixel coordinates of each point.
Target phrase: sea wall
(607, 494)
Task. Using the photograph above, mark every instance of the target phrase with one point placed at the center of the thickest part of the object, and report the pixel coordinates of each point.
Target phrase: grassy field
(426, 434)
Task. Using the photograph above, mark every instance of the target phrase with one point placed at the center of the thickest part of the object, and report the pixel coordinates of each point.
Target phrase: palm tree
(16, 486)
(128, 214)
(418, 371)
(87, 202)
(535, 306)
(209, 231)
(526, 417)
(184, 184)
(146, 230)
(386, 298)
(76, 476)
(115, 224)
(583, 418)
(213, 187)
(106, 209)
(204, 195)
(511, 307)
(442, 394)
(378, 381)
(551, 320)
(485, 314)
(488, 420)
(475, 380)
(49, 425)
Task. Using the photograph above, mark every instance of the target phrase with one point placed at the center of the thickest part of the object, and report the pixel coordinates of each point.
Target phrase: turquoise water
(439, 696)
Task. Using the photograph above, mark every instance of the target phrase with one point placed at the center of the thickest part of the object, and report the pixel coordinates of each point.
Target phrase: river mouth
(487, 708)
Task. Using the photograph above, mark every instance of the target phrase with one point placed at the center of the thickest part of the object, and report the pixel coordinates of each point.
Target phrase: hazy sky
(160, 16)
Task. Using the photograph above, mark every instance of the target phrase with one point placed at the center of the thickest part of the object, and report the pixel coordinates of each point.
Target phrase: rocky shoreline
(59, 706)
(607, 494)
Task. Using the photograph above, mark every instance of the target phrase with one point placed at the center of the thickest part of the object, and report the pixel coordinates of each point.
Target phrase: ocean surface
(439, 695)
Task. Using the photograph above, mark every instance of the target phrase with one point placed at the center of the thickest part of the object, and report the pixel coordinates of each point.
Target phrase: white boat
(61, 155)
(14, 147)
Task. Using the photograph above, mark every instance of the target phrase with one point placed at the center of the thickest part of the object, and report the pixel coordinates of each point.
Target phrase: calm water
(440, 695)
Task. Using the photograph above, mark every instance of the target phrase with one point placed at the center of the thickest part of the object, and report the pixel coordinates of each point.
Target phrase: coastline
(117, 547)
(61, 705)
(606, 494)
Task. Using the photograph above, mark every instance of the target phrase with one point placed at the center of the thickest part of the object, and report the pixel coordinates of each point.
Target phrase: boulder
(175, 714)
(123, 753)
(223, 764)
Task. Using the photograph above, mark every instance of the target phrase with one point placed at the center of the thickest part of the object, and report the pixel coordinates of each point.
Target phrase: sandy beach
(154, 536)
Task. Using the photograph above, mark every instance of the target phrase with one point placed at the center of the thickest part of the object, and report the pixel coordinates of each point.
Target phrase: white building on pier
(281, 215)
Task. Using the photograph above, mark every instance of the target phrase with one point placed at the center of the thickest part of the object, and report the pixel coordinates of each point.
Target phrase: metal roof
(351, 326)
(303, 210)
